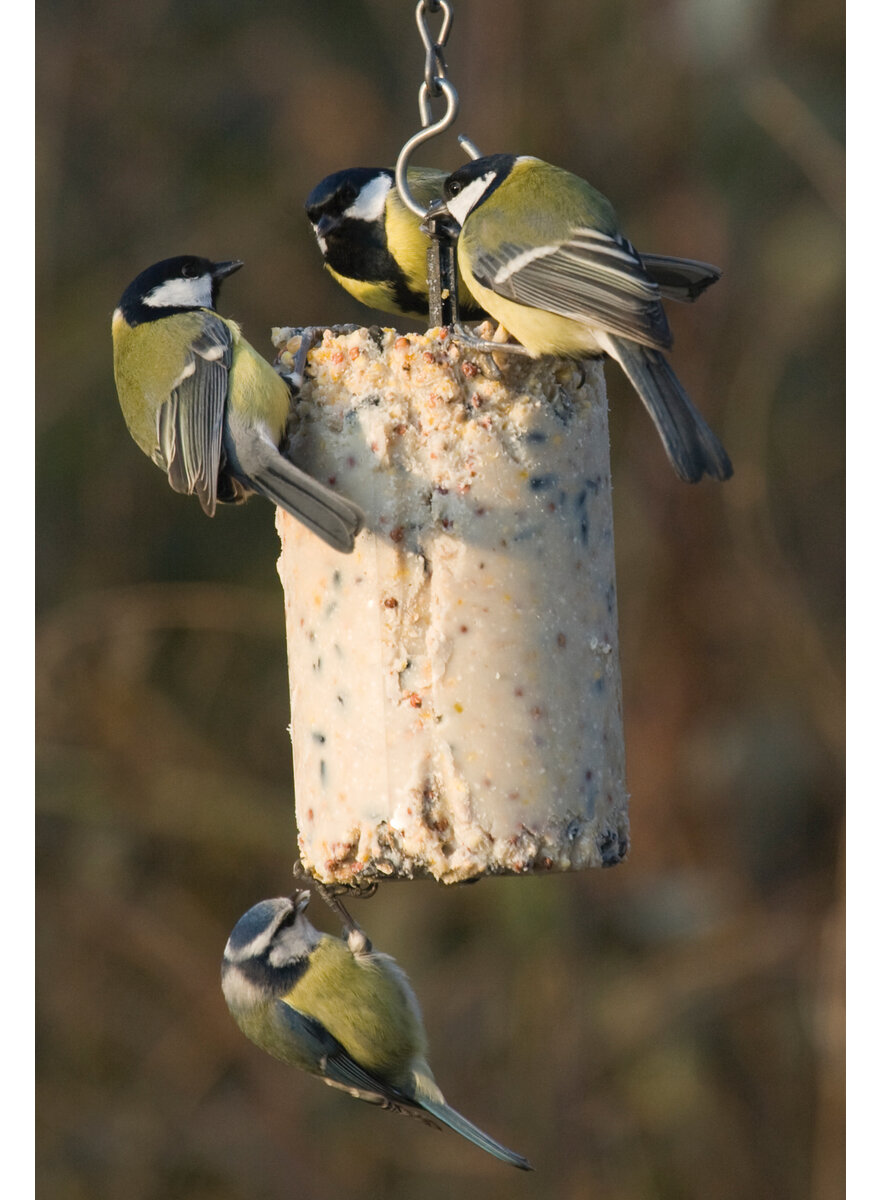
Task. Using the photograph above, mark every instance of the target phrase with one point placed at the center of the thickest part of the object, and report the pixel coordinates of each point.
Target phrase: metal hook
(426, 113)
(442, 229)
(468, 146)
(417, 139)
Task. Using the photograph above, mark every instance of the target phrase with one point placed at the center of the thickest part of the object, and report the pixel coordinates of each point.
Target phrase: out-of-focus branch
(791, 124)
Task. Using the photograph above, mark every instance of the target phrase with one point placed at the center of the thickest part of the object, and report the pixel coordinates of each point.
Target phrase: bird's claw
(358, 942)
(488, 348)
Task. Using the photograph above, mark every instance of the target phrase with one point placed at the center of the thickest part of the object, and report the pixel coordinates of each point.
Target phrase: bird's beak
(324, 226)
(439, 217)
(220, 270)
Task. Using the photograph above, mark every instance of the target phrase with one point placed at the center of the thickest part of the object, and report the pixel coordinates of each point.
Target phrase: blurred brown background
(668, 1029)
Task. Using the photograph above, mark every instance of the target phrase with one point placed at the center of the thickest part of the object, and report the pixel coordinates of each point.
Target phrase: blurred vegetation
(670, 1029)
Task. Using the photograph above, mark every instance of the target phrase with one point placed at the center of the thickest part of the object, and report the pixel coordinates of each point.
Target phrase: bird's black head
(473, 183)
(341, 191)
(173, 285)
(347, 212)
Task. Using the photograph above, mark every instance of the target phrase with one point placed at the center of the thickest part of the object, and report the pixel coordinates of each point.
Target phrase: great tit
(337, 1009)
(372, 243)
(539, 248)
(375, 248)
(205, 407)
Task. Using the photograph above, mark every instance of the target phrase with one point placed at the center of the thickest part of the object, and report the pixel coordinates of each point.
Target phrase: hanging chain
(442, 283)
(435, 84)
(435, 59)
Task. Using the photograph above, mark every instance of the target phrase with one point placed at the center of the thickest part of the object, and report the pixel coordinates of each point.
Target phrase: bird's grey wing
(591, 277)
(333, 1062)
(680, 278)
(189, 425)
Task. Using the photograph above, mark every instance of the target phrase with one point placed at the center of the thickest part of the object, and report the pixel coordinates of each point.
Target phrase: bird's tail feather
(692, 447)
(460, 1124)
(318, 507)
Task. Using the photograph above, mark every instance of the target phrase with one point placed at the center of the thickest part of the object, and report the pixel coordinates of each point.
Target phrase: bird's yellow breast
(257, 391)
(539, 331)
(374, 295)
(407, 243)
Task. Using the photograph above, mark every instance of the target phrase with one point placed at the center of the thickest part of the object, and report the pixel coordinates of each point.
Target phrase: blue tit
(337, 1009)
(375, 247)
(204, 406)
(540, 250)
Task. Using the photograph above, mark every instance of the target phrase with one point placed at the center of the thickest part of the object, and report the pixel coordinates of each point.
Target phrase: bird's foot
(309, 336)
(295, 375)
(488, 348)
(358, 942)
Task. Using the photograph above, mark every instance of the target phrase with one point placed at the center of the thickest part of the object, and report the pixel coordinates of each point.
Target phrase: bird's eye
(189, 270)
(453, 188)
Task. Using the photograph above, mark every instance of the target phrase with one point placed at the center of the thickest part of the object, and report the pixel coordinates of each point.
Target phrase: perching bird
(204, 406)
(375, 248)
(337, 1009)
(540, 250)
(372, 243)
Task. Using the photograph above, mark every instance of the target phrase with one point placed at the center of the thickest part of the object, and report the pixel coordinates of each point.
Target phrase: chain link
(435, 84)
(435, 59)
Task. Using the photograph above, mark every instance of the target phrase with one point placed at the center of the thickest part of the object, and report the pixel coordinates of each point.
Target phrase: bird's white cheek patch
(251, 949)
(241, 995)
(370, 204)
(181, 293)
(469, 197)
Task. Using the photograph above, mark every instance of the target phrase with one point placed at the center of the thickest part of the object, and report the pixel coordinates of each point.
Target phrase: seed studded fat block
(455, 684)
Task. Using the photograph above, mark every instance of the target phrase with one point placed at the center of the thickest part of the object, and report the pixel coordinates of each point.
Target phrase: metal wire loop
(436, 84)
(435, 60)
(426, 112)
(441, 228)
(417, 139)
